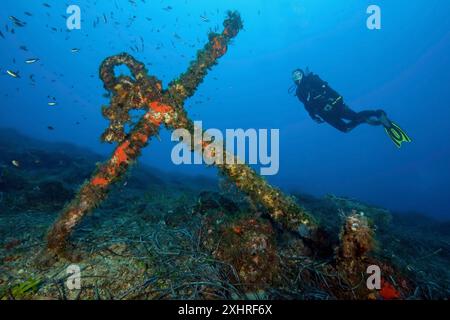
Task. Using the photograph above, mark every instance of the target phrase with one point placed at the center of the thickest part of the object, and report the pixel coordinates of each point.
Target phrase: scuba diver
(326, 105)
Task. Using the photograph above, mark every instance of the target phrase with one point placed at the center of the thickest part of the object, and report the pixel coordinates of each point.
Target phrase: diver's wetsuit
(324, 103)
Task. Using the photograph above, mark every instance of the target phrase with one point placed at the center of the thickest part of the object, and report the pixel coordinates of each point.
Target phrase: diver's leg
(348, 114)
(334, 117)
(371, 117)
(355, 119)
(339, 124)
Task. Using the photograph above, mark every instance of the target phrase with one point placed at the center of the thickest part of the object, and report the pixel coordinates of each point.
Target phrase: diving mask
(297, 76)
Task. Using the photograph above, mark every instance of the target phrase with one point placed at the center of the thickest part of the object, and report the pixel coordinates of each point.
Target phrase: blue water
(402, 68)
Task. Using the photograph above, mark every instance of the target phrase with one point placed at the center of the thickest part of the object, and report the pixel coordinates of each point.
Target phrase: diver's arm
(313, 114)
(305, 97)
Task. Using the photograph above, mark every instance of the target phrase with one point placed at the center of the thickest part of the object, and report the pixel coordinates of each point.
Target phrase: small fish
(52, 104)
(204, 18)
(19, 24)
(28, 14)
(14, 19)
(2, 35)
(50, 128)
(31, 61)
(13, 74)
(168, 8)
(24, 48)
(46, 5)
(16, 163)
(75, 50)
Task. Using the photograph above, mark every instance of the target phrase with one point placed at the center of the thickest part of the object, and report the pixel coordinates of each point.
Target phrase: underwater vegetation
(20, 291)
(160, 236)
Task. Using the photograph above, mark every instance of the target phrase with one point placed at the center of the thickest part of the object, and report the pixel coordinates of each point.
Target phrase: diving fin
(397, 135)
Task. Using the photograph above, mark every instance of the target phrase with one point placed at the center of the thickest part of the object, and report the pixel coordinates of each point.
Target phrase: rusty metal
(165, 107)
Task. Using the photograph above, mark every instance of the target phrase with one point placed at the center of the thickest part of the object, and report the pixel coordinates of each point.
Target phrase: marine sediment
(165, 236)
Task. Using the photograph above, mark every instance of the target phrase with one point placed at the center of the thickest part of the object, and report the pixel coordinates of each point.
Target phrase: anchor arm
(187, 83)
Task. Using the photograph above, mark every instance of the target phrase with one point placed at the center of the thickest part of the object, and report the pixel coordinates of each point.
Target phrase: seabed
(163, 236)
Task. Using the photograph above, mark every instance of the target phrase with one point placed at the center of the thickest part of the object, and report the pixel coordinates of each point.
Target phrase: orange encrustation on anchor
(212, 152)
(218, 47)
(140, 137)
(205, 144)
(160, 109)
(120, 154)
(388, 292)
(99, 182)
(119, 157)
